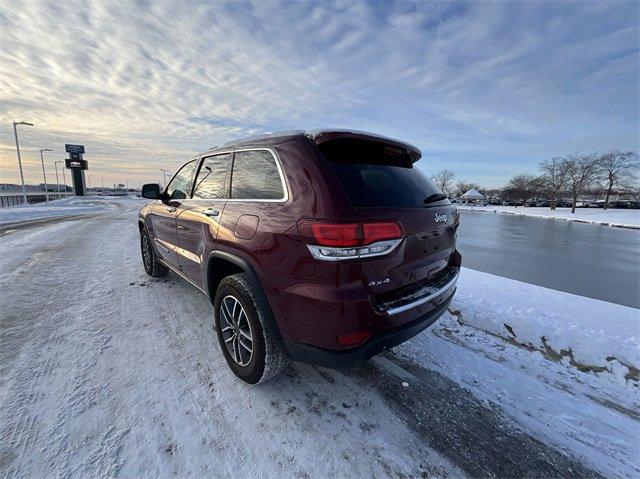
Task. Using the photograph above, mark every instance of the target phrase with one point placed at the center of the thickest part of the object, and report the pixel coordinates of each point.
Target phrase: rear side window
(256, 176)
(212, 178)
(374, 176)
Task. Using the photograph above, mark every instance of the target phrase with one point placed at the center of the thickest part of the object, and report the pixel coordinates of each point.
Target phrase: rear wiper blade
(435, 197)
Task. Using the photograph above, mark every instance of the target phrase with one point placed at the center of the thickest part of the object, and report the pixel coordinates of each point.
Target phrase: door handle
(171, 209)
(210, 212)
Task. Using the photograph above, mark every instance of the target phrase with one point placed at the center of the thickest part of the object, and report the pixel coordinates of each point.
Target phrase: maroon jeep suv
(318, 246)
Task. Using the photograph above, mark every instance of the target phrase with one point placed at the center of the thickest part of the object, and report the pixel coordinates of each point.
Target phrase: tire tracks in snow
(60, 345)
(478, 438)
(27, 332)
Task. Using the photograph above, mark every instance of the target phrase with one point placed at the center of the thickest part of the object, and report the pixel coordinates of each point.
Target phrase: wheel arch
(221, 264)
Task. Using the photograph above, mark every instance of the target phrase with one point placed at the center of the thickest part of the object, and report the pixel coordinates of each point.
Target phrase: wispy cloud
(485, 89)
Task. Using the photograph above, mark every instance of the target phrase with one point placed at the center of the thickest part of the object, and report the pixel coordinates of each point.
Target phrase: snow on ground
(105, 371)
(70, 206)
(581, 414)
(624, 218)
(587, 333)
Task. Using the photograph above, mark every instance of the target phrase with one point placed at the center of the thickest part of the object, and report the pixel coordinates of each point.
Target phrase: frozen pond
(600, 262)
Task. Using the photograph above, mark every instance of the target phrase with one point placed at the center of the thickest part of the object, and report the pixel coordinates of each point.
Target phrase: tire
(152, 266)
(241, 313)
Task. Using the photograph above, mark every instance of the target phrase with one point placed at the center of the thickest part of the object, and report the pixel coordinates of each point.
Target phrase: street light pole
(15, 132)
(55, 163)
(46, 191)
(164, 176)
(64, 179)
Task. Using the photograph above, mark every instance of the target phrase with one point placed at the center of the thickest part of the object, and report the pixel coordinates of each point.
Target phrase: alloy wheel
(236, 330)
(146, 252)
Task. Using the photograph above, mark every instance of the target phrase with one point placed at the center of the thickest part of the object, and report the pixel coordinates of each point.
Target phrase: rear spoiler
(323, 136)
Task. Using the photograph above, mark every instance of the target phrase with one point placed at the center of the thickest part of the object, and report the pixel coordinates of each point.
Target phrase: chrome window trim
(285, 189)
(424, 299)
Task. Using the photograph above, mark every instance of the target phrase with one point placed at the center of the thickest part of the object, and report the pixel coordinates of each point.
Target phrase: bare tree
(522, 187)
(582, 172)
(554, 177)
(444, 181)
(617, 167)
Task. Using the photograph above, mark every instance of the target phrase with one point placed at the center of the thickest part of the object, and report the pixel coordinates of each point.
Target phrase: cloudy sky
(484, 89)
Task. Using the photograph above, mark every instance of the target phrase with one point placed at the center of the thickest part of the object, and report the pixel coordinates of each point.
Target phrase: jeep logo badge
(440, 218)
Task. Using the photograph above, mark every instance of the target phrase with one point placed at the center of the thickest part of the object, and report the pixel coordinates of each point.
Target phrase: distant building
(40, 187)
(11, 193)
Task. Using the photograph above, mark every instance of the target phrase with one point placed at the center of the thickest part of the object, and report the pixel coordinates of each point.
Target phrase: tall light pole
(102, 180)
(55, 163)
(46, 191)
(164, 176)
(15, 132)
(64, 178)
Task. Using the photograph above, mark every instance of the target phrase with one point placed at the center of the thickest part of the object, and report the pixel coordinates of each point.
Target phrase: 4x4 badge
(440, 218)
(378, 283)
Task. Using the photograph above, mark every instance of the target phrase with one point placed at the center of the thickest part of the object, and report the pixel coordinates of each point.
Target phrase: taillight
(337, 234)
(381, 231)
(342, 241)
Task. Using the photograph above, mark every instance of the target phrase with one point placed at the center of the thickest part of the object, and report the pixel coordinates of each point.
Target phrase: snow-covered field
(105, 371)
(610, 217)
(70, 206)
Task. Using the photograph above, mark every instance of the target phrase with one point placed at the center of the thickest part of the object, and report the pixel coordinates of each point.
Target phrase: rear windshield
(380, 180)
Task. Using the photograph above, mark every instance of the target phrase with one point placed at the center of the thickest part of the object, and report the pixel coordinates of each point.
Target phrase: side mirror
(151, 191)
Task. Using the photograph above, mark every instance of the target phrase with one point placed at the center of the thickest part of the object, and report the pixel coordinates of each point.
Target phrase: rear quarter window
(256, 176)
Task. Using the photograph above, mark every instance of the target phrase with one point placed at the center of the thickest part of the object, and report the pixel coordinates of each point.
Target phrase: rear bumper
(354, 357)
(422, 295)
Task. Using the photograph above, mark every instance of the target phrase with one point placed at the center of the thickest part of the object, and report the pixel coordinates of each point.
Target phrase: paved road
(104, 371)
(596, 261)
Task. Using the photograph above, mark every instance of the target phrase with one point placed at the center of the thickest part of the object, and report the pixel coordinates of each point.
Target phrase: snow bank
(612, 217)
(589, 334)
(70, 206)
(588, 417)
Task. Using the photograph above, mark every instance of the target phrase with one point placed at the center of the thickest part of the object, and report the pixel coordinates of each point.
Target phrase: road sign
(74, 148)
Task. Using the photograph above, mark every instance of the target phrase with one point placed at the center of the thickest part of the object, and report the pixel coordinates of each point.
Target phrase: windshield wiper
(435, 197)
